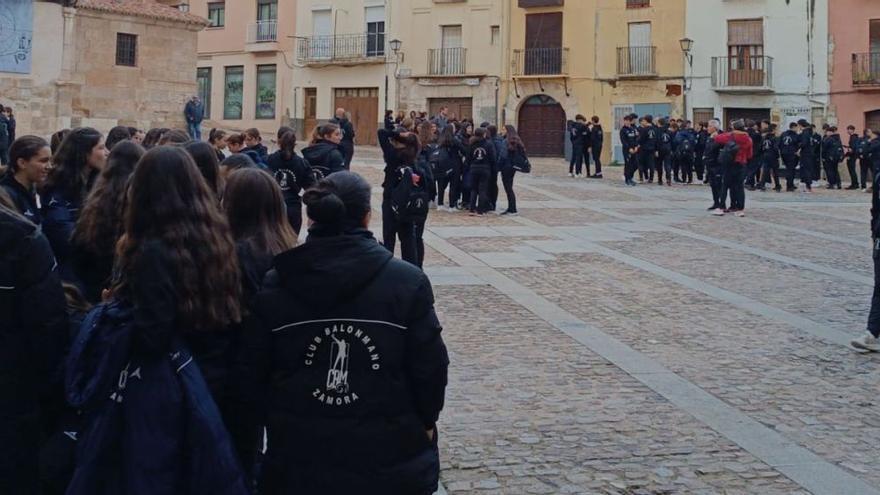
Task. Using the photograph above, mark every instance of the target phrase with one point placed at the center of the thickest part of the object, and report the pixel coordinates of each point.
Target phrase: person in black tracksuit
(871, 340)
(293, 175)
(324, 153)
(769, 158)
(450, 157)
(714, 170)
(684, 145)
(806, 154)
(400, 150)
(852, 156)
(597, 138)
(753, 168)
(500, 158)
(34, 333)
(342, 361)
(514, 156)
(665, 136)
(346, 144)
(789, 144)
(629, 141)
(389, 123)
(647, 148)
(29, 163)
(578, 133)
(699, 149)
(832, 154)
(481, 158)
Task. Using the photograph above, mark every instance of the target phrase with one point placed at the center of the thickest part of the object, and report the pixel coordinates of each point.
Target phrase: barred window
(637, 4)
(126, 49)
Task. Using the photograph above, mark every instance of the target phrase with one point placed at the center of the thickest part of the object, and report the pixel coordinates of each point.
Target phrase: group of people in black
(586, 138)
(163, 331)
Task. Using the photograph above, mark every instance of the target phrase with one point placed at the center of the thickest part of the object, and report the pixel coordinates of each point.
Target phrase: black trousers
(576, 165)
(295, 218)
(420, 243)
(832, 171)
(716, 182)
(686, 163)
(874, 315)
(770, 171)
(507, 176)
(393, 229)
(851, 168)
(630, 164)
(733, 185)
(493, 190)
(442, 184)
(752, 169)
(865, 171)
(664, 162)
(480, 178)
(698, 165)
(4, 156)
(808, 168)
(597, 158)
(791, 163)
(347, 154)
(646, 164)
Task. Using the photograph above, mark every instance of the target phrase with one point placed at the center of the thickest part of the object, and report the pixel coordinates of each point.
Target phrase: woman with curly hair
(100, 221)
(176, 265)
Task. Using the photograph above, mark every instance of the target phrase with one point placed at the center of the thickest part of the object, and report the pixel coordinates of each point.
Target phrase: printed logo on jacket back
(340, 343)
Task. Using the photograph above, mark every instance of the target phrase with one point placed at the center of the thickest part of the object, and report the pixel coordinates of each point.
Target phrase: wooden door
(362, 106)
(542, 126)
(543, 53)
(462, 108)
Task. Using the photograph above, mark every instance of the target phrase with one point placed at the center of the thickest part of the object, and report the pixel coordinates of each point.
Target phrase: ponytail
(339, 202)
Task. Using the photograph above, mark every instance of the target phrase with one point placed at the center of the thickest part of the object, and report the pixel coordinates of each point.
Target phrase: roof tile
(141, 8)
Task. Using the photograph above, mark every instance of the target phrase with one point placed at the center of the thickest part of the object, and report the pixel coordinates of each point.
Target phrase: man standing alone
(347, 143)
(194, 113)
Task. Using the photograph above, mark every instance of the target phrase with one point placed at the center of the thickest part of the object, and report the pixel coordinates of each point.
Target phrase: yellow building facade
(605, 58)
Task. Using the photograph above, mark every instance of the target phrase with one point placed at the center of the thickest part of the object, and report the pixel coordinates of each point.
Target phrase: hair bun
(324, 207)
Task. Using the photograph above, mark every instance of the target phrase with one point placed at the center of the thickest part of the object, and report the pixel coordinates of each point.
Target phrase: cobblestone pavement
(614, 340)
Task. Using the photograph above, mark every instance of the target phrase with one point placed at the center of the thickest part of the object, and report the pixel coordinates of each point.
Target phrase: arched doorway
(542, 126)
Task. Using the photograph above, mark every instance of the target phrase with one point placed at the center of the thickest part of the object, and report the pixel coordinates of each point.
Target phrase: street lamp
(395, 45)
(686, 45)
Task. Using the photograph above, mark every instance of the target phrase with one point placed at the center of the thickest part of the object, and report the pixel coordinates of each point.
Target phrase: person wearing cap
(733, 180)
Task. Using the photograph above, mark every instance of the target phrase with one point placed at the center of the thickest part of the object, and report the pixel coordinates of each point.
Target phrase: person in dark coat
(870, 342)
(93, 245)
(34, 334)
(629, 141)
(700, 149)
(852, 156)
(753, 168)
(515, 155)
(500, 158)
(30, 159)
(647, 147)
(254, 146)
(342, 361)
(400, 151)
(450, 157)
(78, 162)
(346, 143)
(832, 154)
(293, 174)
(578, 134)
(481, 159)
(597, 138)
(390, 122)
(714, 170)
(769, 157)
(194, 113)
(807, 155)
(5, 136)
(324, 153)
(789, 144)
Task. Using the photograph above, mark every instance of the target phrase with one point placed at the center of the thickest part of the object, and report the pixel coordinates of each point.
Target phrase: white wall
(800, 70)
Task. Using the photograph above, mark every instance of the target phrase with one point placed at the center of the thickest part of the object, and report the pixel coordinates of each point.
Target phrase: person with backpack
(342, 361)
(597, 138)
(400, 191)
(324, 153)
(293, 174)
(346, 141)
(481, 159)
(34, 333)
(714, 170)
(789, 144)
(629, 141)
(832, 154)
(769, 157)
(578, 133)
(852, 157)
(734, 157)
(807, 156)
(29, 164)
(870, 341)
(448, 160)
(684, 146)
(647, 148)
(699, 151)
(665, 136)
(515, 160)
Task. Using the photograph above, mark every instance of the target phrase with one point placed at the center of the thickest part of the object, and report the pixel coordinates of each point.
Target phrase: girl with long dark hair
(177, 265)
(235, 143)
(78, 162)
(515, 157)
(217, 139)
(342, 360)
(293, 174)
(449, 167)
(29, 163)
(400, 151)
(323, 152)
(254, 146)
(205, 157)
(153, 136)
(100, 222)
(254, 206)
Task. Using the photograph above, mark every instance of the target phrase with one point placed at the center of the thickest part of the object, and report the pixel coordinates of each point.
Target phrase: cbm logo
(337, 375)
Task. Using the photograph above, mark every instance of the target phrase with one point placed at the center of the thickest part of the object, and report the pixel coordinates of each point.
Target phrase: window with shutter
(745, 50)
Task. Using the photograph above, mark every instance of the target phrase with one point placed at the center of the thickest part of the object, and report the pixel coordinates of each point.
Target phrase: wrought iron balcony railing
(262, 32)
(866, 69)
(635, 61)
(742, 72)
(447, 61)
(343, 48)
(540, 62)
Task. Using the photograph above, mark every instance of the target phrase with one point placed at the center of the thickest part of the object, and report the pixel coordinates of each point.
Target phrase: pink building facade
(854, 39)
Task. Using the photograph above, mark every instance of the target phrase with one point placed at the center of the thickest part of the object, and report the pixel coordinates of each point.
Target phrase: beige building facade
(342, 60)
(104, 63)
(452, 55)
(245, 57)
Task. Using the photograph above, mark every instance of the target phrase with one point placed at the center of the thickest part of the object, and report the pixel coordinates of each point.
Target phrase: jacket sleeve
(154, 299)
(44, 309)
(384, 137)
(305, 176)
(58, 224)
(427, 359)
(335, 161)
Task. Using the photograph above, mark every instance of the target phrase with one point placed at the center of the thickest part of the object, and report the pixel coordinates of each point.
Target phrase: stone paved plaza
(614, 340)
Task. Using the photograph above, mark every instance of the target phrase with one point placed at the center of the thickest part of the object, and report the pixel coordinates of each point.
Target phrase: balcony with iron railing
(540, 62)
(341, 49)
(447, 61)
(866, 70)
(636, 61)
(742, 74)
(262, 36)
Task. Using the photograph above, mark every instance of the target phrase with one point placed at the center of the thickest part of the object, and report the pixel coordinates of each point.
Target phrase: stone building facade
(103, 63)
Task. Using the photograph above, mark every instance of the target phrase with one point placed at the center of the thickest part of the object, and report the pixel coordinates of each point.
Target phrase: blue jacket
(150, 425)
(194, 112)
(60, 214)
(500, 151)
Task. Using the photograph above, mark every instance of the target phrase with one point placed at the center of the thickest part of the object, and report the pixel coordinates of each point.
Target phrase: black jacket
(347, 131)
(258, 151)
(92, 270)
(578, 133)
(854, 144)
(648, 138)
(482, 155)
(389, 123)
(832, 148)
(392, 161)
(33, 338)
(294, 176)
(710, 154)
(629, 138)
(871, 152)
(60, 213)
(769, 146)
(789, 143)
(325, 157)
(25, 201)
(343, 361)
(253, 266)
(806, 143)
(597, 137)
(756, 142)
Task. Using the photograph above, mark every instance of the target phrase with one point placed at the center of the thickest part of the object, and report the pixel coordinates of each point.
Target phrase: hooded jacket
(258, 153)
(347, 131)
(25, 201)
(294, 176)
(788, 143)
(325, 157)
(343, 361)
(33, 336)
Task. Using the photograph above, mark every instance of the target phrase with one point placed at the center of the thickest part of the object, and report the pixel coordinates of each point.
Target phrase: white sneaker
(579, 175)
(432, 205)
(867, 343)
(571, 174)
(803, 187)
(740, 213)
(718, 212)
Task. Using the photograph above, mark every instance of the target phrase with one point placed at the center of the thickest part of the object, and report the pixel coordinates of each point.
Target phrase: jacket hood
(318, 152)
(329, 269)
(12, 228)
